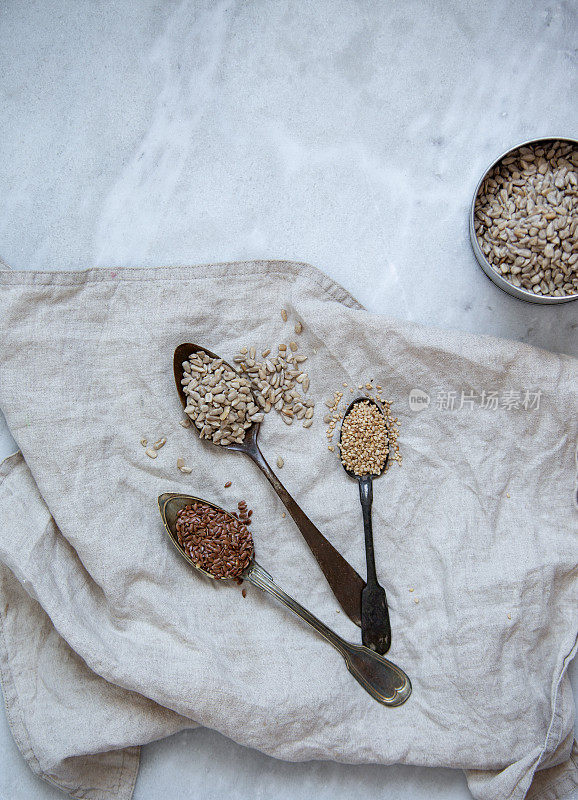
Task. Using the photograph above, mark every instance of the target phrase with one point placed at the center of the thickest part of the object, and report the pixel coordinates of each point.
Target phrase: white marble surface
(349, 135)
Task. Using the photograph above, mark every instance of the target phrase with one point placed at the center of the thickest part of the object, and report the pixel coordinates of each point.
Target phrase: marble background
(346, 134)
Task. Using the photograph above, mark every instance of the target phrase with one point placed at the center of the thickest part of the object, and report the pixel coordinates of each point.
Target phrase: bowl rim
(501, 282)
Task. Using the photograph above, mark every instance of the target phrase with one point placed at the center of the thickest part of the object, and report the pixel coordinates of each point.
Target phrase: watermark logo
(488, 399)
(418, 400)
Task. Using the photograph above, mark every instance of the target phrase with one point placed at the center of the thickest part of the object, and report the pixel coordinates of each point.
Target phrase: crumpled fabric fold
(102, 620)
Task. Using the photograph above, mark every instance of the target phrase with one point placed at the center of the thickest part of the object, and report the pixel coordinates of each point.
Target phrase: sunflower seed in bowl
(524, 221)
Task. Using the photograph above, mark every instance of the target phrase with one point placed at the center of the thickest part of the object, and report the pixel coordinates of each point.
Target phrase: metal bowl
(500, 281)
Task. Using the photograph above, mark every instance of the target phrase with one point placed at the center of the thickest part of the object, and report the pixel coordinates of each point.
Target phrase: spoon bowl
(383, 680)
(350, 407)
(182, 353)
(344, 581)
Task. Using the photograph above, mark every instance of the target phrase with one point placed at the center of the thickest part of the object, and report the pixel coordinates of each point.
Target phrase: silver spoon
(375, 625)
(384, 681)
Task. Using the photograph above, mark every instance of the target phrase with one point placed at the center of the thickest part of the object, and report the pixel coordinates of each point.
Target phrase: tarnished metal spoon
(375, 625)
(344, 581)
(382, 679)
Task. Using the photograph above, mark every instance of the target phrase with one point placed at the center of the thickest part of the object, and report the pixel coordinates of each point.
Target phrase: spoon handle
(366, 497)
(344, 581)
(382, 679)
(375, 624)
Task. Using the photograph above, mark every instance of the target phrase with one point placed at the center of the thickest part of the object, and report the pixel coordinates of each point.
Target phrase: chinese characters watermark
(489, 400)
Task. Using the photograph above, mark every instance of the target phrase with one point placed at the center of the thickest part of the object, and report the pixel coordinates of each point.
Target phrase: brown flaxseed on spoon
(215, 541)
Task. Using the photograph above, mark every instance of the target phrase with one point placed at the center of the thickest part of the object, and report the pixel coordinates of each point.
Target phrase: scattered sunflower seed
(283, 315)
(277, 382)
(298, 328)
(280, 462)
(144, 442)
(151, 453)
(186, 470)
(160, 443)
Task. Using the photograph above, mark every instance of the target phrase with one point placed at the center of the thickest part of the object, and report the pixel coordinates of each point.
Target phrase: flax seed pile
(217, 542)
(364, 444)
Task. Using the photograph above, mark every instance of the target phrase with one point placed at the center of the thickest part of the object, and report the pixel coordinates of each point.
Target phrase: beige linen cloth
(110, 640)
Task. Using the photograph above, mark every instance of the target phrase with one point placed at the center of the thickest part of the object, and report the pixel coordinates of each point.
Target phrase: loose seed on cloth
(215, 541)
(223, 402)
(280, 462)
(276, 382)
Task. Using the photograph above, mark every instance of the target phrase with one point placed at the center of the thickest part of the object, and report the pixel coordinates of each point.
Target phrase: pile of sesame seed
(374, 392)
(364, 439)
